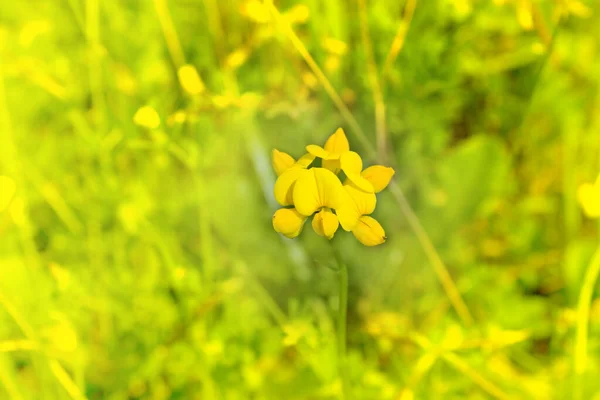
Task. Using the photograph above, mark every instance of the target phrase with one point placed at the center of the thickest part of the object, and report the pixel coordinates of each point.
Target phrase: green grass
(140, 262)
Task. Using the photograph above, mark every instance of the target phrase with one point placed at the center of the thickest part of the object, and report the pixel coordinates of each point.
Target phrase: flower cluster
(306, 190)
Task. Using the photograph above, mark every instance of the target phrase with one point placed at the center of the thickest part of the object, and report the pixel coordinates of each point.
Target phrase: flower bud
(288, 222)
(325, 223)
(369, 232)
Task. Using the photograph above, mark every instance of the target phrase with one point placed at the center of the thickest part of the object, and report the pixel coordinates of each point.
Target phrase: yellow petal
(347, 212)
(288, 222)
(379, 176)
(284, 185)
(351, 164)
(305, 160)
(337, 143)
(325, 223)
(317, 188)
(369, 232)
(589, 198)
(281, 161)
(364, 202)
(320, 152)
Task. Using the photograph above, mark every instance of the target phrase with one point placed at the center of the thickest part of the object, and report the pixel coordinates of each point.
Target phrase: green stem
(583, 316)
(341, 327)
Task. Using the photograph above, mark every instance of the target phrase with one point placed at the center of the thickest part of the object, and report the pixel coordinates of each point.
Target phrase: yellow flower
(318, 191)
(588, 195)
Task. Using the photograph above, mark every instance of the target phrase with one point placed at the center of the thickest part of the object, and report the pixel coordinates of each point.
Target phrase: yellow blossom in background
(236, 58)
(335, 46)
(179, 117)
(147, 117)
(222, 101)
(524, 10)
(256, 11)
(298, 14)
(124, 79)
(190, 80)
(318, 192)
(310, 80)
(574, 7)
(588, 195)
(332, 63)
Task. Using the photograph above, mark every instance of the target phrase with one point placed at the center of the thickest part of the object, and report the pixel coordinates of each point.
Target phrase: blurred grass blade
(9, 346)
(398, 43)
(374, 82)
(65, 380)
(422, 367)
(8, 379)
(335, 97)
(475, 376)
(18, 318)
(169, 32)
(434, 258)
(583, 316)
(60, 207)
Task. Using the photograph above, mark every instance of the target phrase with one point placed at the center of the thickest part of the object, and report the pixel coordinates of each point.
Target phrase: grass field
(137, 254)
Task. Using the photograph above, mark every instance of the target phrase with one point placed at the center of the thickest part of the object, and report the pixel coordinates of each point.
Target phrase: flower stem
(341, 327)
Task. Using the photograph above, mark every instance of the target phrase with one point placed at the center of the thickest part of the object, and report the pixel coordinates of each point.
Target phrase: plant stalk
(583, 316)
(342, 327)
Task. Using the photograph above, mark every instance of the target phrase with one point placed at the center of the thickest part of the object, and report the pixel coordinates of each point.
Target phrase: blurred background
(137, 256)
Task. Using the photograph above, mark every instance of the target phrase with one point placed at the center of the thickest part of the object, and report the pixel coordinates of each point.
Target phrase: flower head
(318, 191)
